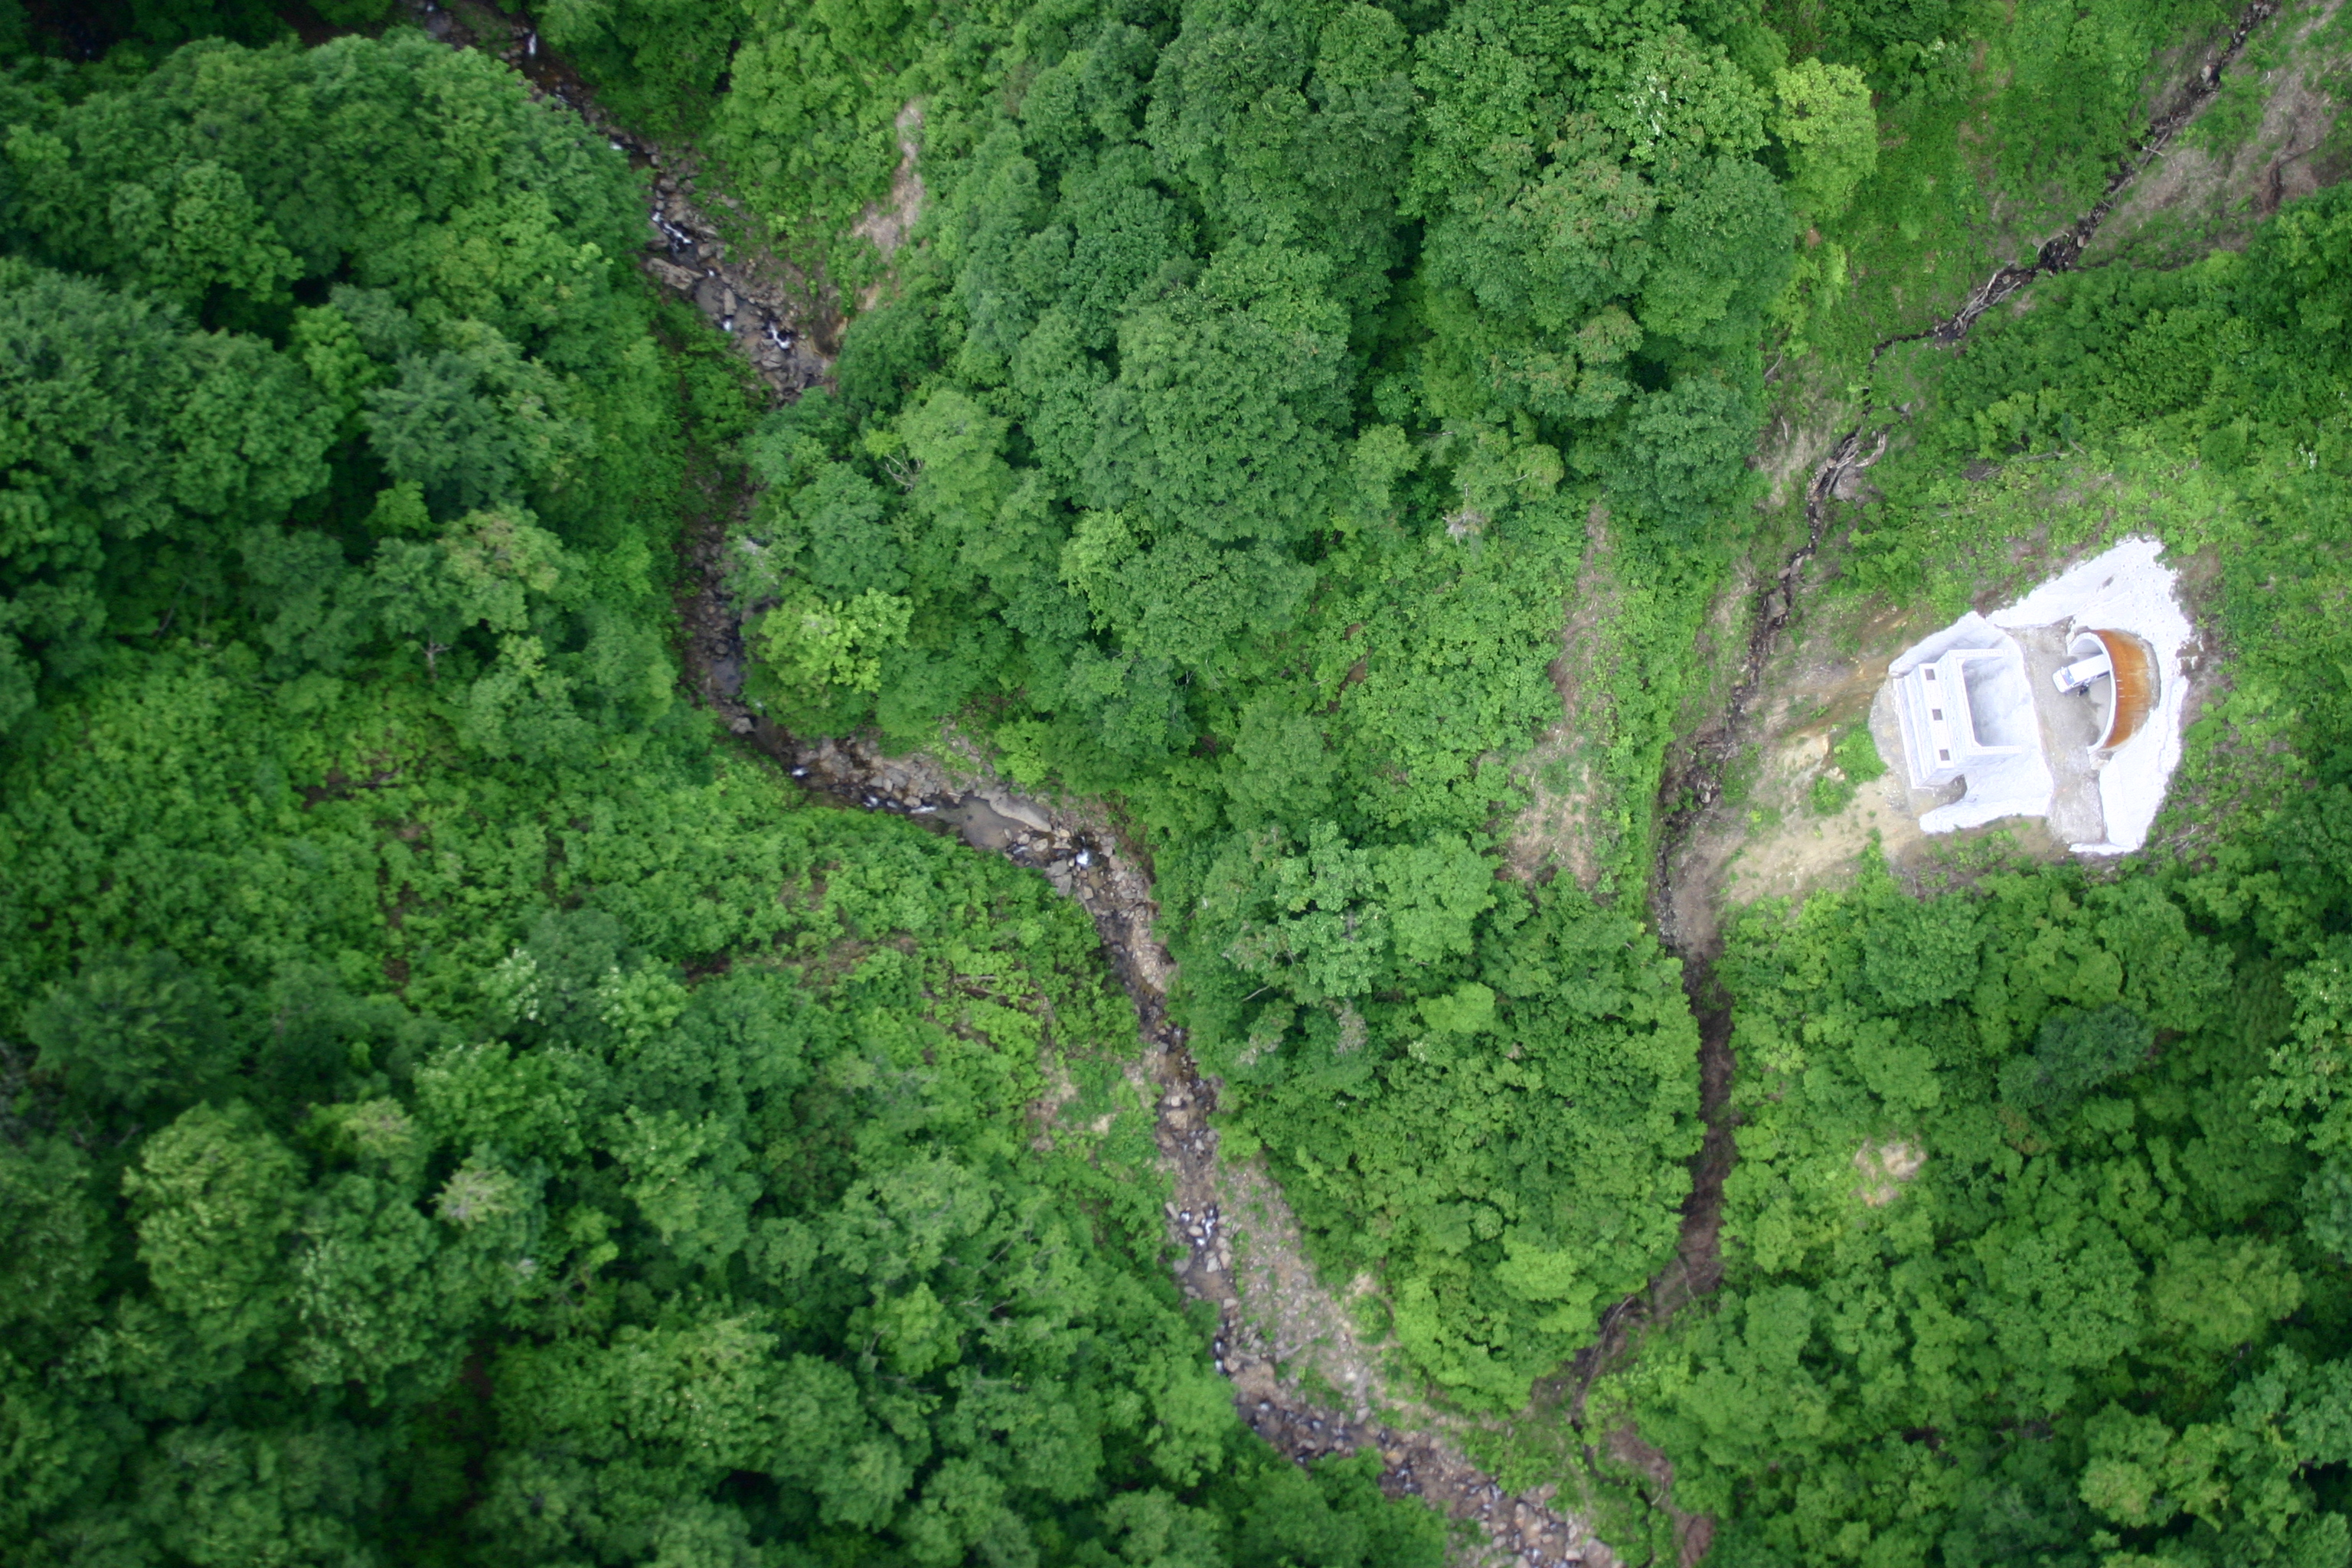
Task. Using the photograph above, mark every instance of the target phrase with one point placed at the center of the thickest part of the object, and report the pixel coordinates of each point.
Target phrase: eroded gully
(785, 329)
(779, 321)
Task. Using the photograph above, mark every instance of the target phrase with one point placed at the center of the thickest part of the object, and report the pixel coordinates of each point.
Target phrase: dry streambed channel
(1267, 1300)
(1080, 850)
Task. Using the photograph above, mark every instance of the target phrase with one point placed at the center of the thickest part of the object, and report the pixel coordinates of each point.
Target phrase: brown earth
(1564, 828)
(887, 224)
(2196, 198)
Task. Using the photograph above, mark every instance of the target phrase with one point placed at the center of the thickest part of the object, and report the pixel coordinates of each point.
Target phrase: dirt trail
(1569, 824)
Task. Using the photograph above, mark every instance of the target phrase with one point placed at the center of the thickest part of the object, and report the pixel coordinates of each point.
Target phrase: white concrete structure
(1966, 705)
(2125, 588)
(2065, 705)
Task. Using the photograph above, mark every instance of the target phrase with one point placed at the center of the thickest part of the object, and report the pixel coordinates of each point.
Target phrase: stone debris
(781, 322)
(1082, 852)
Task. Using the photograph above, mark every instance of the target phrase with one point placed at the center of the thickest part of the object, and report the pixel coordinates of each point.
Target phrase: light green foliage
(1825, 121)
(1236, 426)
(2001, 1162)
(1995, 127)
(211, 1199)
(392, 474)
(1507, 1150)
(813, 643)
(1854, 762)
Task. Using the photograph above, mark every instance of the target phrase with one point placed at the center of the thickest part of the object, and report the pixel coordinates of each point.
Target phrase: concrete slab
(2098, 802)
(2070, 727)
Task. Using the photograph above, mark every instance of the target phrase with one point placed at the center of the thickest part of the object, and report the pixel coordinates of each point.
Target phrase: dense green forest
(459, 1103)
(459, 1111)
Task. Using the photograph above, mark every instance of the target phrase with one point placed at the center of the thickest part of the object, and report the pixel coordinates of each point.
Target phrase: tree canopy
(458, 1104)
(452, 1107)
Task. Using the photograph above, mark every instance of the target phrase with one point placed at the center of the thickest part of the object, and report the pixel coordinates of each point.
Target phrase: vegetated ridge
(783, 333)
(1692, 784)
(1081, 851)
(787, 333)
(782, 324)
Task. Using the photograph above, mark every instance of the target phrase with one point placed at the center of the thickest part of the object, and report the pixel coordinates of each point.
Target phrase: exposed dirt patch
(1045, 1111)
(1770, 841)
(1791, 449)
(1885, 1168)
(1770, 838)
(1565, 829)
(1286, 1322)
(887, 224)
(2200, 198)
(1693, 785)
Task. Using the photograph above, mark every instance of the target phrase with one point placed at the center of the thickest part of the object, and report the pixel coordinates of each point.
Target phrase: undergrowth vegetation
(1997, 126)
(455, 1107)
(1258, 387)
(2035, 1246)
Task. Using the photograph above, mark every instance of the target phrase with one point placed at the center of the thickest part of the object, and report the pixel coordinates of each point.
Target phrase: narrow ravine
(786, 330)
(1693, 784)
(780, 320)
(1083, 852)
(786, 333)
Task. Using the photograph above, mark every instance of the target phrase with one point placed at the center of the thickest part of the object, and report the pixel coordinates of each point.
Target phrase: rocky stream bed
(786, 330)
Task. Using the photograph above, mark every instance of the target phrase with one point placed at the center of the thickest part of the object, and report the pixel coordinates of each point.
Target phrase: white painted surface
(1999, 749)
(2125, 588)
(1989, 733)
